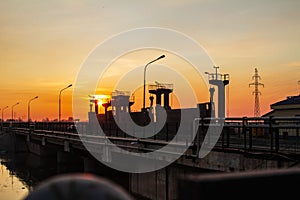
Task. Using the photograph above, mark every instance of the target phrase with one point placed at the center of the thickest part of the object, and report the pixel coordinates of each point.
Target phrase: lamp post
(144, 94)
(59, 101)
(2, 116)
(29, 107)
(12, 110)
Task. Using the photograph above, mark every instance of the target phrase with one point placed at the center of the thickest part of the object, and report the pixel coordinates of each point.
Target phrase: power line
(256, 92)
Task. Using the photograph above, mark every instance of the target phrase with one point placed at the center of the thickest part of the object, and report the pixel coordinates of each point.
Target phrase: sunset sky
(43, 45)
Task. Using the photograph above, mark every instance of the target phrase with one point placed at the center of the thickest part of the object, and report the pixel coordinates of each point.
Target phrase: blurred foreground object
(260, 184)
(78, 187)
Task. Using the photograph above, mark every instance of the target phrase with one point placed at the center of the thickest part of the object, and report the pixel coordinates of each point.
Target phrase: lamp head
(162, 56)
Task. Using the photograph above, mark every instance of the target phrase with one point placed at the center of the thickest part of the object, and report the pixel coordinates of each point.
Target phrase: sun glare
(102, 98)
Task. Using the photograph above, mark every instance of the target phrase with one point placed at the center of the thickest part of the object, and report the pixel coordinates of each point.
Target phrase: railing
(161, 86)
(271, 134)
(222, 77)
(276, 134)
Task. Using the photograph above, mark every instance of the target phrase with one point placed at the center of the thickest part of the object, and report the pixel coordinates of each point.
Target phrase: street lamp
(144, 94)
(59, 101)
(2, 116)
(12, 111)
(29, 107)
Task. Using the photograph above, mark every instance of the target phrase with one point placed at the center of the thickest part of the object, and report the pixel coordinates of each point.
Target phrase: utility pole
(145, 68)
(256, 92)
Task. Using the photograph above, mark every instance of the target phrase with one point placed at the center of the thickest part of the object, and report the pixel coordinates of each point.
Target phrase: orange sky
(44, 43)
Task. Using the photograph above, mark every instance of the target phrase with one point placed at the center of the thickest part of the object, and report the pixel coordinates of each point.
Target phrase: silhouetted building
(121, 104)
(290, 107)
(159, 90)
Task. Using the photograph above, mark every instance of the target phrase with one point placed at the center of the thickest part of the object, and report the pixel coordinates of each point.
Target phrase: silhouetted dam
(246, 144)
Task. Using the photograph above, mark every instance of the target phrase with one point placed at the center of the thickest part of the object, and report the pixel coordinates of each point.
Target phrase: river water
(11, 185)
(21, 172)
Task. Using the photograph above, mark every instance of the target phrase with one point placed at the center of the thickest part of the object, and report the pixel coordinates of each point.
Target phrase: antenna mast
(256, 92)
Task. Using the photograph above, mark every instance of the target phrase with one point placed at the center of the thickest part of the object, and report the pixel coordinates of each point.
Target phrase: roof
(268, 113)
(290, 100)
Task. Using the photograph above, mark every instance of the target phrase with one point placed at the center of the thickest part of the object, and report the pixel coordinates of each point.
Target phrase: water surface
(11, 186)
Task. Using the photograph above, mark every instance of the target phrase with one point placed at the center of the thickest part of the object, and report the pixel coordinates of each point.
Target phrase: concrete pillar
(40, 150)
(152, 185)
(166, 100)
(158, 98)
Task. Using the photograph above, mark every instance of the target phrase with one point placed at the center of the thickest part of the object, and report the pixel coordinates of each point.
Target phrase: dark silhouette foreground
(78, 187)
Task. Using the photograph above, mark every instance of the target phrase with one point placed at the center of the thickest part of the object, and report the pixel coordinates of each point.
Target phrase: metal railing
(161, 86)
(272, 134)
(269, 134)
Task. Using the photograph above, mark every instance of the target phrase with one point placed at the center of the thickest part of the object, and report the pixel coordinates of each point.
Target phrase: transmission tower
(256, 92)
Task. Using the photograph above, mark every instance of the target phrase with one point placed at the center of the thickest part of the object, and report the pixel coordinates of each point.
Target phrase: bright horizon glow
(43, 45)
(102, 98)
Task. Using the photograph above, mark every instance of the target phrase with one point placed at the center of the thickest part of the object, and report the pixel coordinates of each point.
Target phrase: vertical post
(197, 136)
(167, 130)
(244, 132)
(59, 109)
(228, 136)
(276, 139)
(167, 182)
(271, 132)
(12, 111)
(2, 117)
(239, 130)
(223, 138)
(144, 88)
(250, 137)
(203, 133)
(29, 108)
(297, 137)
(59, 102)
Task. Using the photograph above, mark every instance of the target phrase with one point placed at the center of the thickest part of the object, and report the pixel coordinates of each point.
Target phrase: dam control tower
(220, 81)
